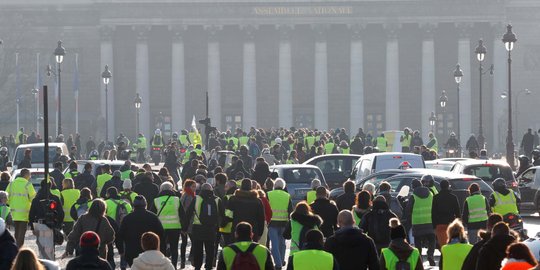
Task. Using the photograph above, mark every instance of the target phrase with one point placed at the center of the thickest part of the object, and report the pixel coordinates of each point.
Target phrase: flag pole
(76, 88)
(17, 90)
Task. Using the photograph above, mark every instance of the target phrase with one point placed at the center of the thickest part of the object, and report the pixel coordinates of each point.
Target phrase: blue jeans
(277, 243)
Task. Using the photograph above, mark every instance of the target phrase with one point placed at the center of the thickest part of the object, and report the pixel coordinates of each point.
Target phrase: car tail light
(397, 157)
(513, 184)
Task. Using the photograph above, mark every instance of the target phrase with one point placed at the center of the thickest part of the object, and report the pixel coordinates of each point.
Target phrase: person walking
(519, 257)
(88, 257)
(527, 143)
(484, 236)
(494, 251)
(312, 255)
(81, 206)
(147, 188)
(374, 221)
(453, 253)
(115, 182)
(151, 258)
(392, 202)
(21, 193)
(312, 194)
(347, 200)
(8, 248)
(226, 227)
(246, 206)
(186, 199)
(476, 211)
(205, 215)
(57, 174)
(350, 246)
(85, 179)
(134, 225)
(362, 206)
(445, 210)
(70, 195)
(281, 205)
(104, 177)
(327, 210)
(245, 253)
(171, 214)
(503, 200)
(399, 254)
(302, 220)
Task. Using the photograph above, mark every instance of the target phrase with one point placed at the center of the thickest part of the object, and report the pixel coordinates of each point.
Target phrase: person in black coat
(261, 172)
(327, 210)
(494, 251)
(350, 246)
(115, 181)
(8, 248)
(37, 208)
(88, 257)
(444, 210)
(85, 179)
(375, 223)
(246, 206)
(57, 174)
(147, 189)
(472, 257)
(26, 162)
(346, 200)
(134, 225)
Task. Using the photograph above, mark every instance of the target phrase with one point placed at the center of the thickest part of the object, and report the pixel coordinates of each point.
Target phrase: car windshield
(463, 184)
(332, 166)
(437, 166)
(37, 154)
(489, 173)
(301, 175)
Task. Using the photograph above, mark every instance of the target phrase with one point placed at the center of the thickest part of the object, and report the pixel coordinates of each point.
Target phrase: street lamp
(432, 121)
(458, 75)
(509, 40)
(443, 100)
(35, 92)
(480, 56)
(138, 102)
(106, 76)
(59, 53)
(516, 102)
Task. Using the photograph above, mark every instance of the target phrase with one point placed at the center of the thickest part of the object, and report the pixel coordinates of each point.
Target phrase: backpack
(121, 211)
(244, 260)
(209, 212)
(83, 209)
(126, 196)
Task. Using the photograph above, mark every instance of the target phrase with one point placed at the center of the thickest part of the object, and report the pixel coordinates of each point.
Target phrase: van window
(303, 175)
(37, 154)
(490, 173)
(393, 162)
(365, 168)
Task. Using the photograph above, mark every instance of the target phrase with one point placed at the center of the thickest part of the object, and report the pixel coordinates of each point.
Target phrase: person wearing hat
(127, 194)
(88, 257)
(312, 255)
(372, 220)
(116, 181)
(400, 251)
(350, 246)
(8, 248)
(134, 225)
(281, 204)
(246, 206)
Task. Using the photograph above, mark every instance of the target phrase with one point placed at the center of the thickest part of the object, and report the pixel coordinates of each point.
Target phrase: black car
(336, 168)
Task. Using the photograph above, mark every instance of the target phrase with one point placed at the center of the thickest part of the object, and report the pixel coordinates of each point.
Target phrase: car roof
(442, 162)
(293, 166)
(483, 161)
(391, 154)
(331, 155)
(454, 159)
(102, 161)
(439, 173)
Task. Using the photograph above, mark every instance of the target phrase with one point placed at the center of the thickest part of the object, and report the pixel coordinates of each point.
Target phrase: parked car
(298, 178)
(372, 163)
(488, 170)
(440, 164)
(36, 176)
(336, 168)
(529, 188)
(37, 154)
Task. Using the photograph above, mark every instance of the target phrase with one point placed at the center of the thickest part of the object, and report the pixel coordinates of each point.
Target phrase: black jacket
(345, 201)
(445, 208)
(37, 209)
(306, 221)
(25, 163)
(402, 250)
(328, 211)
(493, 252)
(3, 185)
(114, 182)
(375, 224)
(148, 190)
(261, 172)
(58, 177)
(472, 257)
(85, 179)
(132, 228)
(8, 250)
(88, 259)
(352, 249)
(246, 206)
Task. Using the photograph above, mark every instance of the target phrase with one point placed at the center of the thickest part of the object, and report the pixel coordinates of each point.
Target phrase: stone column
(428, 78)
(500, 84)
(285, 78)
(142, 77)
(249, 115)
(214, 76)
(107, 59)
(464, 59)
(357, 80)
(392, 79)
(321, 78)
(178, 83)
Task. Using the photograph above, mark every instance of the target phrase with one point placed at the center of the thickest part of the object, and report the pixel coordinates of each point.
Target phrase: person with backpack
(117, 209)
(245, 254)
(81, 206)
(400, 255)
(171, 213)
(115, 181)
(281, 205)
(374, 223)
(88, 257)
(127, 194)
(204, 216)
(302, 220)
(312, 255)
(134, 225)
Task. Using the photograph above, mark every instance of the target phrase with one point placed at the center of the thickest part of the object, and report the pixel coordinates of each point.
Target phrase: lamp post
(480, 56)
(138, 102)
(59, 53)
(35, 92)
(432, 121)
(458, 75)
(443, 100)
(516, 102)
(509, 39)
(106, 75)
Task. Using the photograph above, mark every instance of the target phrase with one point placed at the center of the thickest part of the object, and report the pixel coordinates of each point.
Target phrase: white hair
(279, 183)
(166, 186)
(369, 187)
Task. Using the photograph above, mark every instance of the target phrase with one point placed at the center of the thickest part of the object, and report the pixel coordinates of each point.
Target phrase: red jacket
(267, 209)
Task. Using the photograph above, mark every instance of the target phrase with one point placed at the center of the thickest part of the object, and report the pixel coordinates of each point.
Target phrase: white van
(372, 163)
(37, 154)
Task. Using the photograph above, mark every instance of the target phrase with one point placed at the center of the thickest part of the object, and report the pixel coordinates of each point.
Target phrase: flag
(194, 124)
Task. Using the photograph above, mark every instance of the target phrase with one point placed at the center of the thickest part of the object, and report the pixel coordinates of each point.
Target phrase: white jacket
(152, 260)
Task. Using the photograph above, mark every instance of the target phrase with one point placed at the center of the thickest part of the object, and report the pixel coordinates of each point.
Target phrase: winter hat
(89, 239)
(396, 229)
(139, 201)
(117, 173)
(2, 226)
(127, 184)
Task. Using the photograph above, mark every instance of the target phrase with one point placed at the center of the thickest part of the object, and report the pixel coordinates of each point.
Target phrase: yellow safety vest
(382, 144)
(71, 174)
(157, 141)
(279, 203)
(391, 259)
(454, 255)
(69, 197)
(5, 211)
(260, 253)
(421, 213)
(183, 140)
(406, 141)
(228, 214)
(477, 208)
(167, 207)
(243, 140)
(101, 180)
(296, 229)
(505, 204)
(141, 143)
(329, 148)
(309, 141)
(313, 259)
(112, 204)
(311, 196)
(435, 146)
(21, 193)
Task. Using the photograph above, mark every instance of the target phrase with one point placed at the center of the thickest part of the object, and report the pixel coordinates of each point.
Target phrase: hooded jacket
(246, 206)
(307, 221)
(352, 249)
(88, 259)
(419, 229)
(402, 250)
(493, 252)
(375, 224)
(114, 182)
(445, 208)
(152, 260)
(147, 189)
(328, 211)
